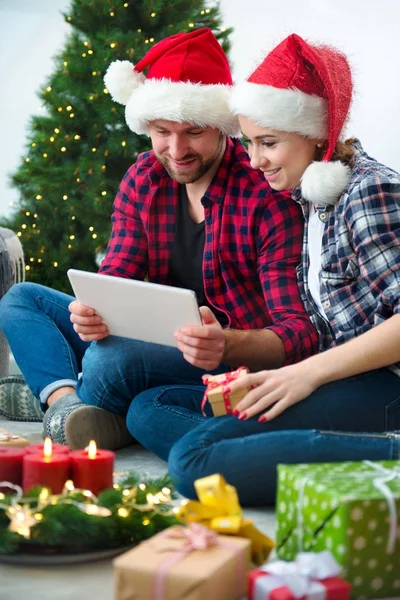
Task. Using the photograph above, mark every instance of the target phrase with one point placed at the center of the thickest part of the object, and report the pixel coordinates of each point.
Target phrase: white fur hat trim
(121, 80)
(324, 182)
(281, 109)
(182, 102)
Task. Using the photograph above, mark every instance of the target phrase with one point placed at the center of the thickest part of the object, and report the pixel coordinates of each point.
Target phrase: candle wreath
(75, 519)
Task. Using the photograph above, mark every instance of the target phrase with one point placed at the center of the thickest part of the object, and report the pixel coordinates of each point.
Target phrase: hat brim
(281, 109)
(181, 102)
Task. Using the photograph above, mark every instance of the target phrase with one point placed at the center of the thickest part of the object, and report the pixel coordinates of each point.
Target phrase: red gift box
(299, 580)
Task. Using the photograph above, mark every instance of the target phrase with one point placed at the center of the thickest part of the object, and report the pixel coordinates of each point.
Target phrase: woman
(337, 404)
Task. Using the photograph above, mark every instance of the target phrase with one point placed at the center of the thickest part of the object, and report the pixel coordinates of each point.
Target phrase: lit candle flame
(92, 449)
(47, 448)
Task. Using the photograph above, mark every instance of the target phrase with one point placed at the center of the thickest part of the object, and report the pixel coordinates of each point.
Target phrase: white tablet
(137, 309)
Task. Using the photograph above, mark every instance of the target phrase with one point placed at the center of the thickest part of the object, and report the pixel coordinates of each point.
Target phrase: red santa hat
(306, 90)
(188, 81)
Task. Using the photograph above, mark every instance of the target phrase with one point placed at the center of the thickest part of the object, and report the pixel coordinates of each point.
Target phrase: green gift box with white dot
(351, 509)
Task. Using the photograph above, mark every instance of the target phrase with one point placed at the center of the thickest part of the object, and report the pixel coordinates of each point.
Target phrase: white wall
(367, 30)
(31, 33)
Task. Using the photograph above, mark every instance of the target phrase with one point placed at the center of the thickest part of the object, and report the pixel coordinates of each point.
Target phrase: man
(190, 213)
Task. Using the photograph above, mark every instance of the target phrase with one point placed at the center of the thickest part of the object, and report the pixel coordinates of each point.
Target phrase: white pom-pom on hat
(121, 80)
(324, 182)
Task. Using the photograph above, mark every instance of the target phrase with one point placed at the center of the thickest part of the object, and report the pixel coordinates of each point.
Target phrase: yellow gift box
(175, 565)
(218, 508)
(222, 401)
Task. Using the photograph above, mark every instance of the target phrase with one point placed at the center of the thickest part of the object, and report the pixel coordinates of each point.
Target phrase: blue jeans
(36, 322)
(343, 420)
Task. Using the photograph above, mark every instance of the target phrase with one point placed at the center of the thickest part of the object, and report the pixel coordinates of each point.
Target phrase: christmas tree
(79, 151)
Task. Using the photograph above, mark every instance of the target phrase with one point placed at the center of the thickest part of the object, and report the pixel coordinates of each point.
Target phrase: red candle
(92, 469)
(40, 448)
(47, 469)
(11, 466)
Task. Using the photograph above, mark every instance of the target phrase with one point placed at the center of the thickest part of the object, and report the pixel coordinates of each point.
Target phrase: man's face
(187, 152)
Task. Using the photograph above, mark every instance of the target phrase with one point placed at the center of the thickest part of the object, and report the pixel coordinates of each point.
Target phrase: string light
(71, 237)
(90, 51)
(91, 228)
(151, 40)
(65, 63)
(112, 45)
(44, 155)
(94, 149)
(23, 226)
(65, 197)
(27, 268)
(55, 264)
(126, 5)
(52, 139)
(56, 130)
(59, 109)
(191, 24)
(48, 89)
(103, 193)
(27, 160)
(86, 43)
(83, 54)
(112, 14)
(139, 31)
(73, 218)
(39, 197)
(77, 137)
(71, 116)
(27, 213)
(63, 149)
(94, 74)
(33, 144)
(153, 14)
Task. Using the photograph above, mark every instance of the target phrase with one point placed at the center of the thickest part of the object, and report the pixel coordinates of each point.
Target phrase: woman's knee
(185, 466)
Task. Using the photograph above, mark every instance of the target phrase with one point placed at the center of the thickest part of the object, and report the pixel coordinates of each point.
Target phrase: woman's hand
(274, 390)
(202, 345)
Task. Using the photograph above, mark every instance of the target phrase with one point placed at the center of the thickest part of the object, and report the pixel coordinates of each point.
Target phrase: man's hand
(274, 390)
(87, 323)
(202, 346)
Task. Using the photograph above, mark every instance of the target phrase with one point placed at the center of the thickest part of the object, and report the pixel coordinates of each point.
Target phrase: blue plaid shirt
(360, 262)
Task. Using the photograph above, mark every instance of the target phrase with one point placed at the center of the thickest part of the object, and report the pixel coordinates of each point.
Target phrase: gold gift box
(10, 439)
(217, 573)
(215, 395)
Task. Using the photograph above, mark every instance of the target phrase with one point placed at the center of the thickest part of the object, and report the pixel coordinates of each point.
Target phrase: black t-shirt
(185, 268)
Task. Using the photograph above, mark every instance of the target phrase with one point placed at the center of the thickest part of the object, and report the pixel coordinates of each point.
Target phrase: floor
(88, 580)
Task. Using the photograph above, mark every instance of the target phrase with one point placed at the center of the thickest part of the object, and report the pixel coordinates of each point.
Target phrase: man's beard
(193, 172)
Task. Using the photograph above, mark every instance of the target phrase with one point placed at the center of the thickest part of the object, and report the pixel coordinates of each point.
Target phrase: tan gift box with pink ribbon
(10, 439)
(222, 401)
(184, 563)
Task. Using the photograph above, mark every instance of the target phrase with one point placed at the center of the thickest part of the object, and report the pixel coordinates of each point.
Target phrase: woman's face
(282, 157)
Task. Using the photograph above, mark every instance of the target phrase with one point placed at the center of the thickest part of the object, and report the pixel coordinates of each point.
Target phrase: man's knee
(19, 295)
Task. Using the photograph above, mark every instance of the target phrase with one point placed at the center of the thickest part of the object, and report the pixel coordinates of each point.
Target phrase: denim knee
(183, 469)
(18, 294)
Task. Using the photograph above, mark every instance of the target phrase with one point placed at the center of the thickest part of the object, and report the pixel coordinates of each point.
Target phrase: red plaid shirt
(252, 244)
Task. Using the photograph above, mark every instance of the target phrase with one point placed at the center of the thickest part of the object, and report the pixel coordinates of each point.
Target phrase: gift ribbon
(300, 577)
(223, 380)
(7, 437)
(195, 537)
(379, 482)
